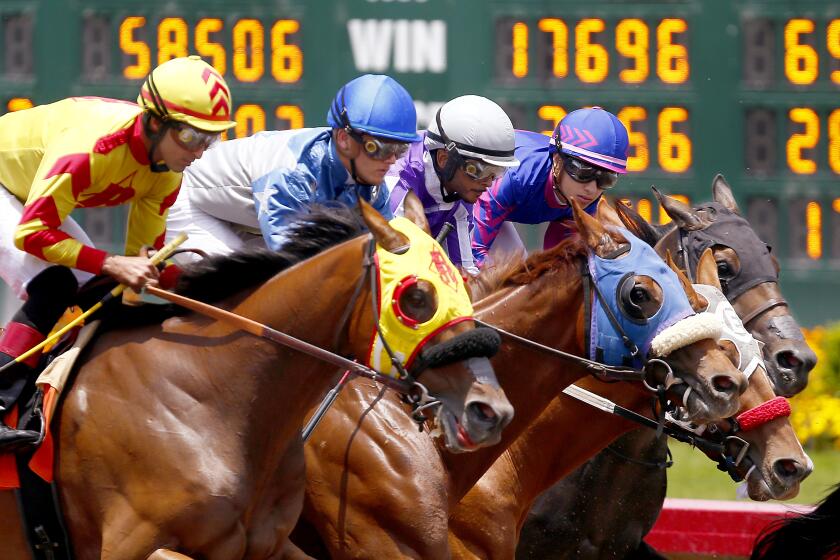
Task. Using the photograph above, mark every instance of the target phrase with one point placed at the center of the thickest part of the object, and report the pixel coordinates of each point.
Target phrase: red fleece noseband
(763, 413)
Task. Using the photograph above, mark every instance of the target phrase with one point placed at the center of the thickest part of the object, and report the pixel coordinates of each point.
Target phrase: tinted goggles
(380, 149)
(584, 172)
(481, 171)
(191, 139)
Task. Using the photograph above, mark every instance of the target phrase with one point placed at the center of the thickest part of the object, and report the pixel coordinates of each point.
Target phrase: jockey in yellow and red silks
(87, 152)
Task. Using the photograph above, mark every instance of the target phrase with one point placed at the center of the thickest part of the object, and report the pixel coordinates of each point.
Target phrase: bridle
(683, 254)
(607, 372)
(474, 343)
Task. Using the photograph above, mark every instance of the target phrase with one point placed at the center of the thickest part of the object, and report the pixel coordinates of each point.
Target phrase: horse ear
(386, 236)
(707, 269)
(592, 232)
(682, 214)
(414, 211)
(722, 193)
(633, 221)
(698, 303)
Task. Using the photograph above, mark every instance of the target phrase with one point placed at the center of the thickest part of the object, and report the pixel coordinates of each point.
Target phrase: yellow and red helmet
(190, 91)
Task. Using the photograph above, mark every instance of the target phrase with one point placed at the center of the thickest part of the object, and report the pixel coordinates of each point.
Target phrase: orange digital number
(592, 63)
(553, 114)
(286, 59)
(519, 44)
(248, 39)
(559, 45)
(291, 114)
(813, 230)
(172, 39)
(207, 48)
(832, 40)
(674, 147)
(672, 64)
(19, 104)
(632, 41)
(803, 141)
(801, 61)
(645, 209)
(250, 119)
(140, 69)
(640, 159)
(834, 141)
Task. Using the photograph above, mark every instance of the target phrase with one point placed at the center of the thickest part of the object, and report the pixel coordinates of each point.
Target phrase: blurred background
(744, 88)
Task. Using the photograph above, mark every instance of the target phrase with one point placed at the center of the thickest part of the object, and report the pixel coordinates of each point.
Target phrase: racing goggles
(584, 172)
(380, 149)
(192, 139)
(480, 171)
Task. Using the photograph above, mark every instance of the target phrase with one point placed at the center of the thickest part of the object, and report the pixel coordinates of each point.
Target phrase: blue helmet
(593, 135)
(375, 104)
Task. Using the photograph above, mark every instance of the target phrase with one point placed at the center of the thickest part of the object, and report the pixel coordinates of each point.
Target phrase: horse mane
(311, 232)
(811, 535)
(519, 271)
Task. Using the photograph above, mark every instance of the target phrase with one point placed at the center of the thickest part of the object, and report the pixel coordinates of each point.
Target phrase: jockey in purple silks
(584, 157)
(468, 146)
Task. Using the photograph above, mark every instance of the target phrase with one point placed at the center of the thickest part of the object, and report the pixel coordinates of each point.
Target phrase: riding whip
(157, 258)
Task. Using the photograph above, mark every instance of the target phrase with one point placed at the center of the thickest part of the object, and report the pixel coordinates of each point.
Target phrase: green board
(745, 88)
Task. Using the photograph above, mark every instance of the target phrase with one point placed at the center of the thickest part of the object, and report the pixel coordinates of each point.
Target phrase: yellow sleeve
(63, 174)
(147, 216)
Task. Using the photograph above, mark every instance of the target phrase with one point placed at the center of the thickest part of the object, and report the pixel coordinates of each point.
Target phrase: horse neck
(546, 311)
(299, 302)
(567, 434)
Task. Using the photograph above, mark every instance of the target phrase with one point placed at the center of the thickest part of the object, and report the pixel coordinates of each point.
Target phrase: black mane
(311, 232)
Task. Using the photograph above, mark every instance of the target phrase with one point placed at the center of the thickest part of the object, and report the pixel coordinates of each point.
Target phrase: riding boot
(50, 293)
(13, 381)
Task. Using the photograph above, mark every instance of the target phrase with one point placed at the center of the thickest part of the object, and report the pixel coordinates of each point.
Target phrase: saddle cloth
(51, 382)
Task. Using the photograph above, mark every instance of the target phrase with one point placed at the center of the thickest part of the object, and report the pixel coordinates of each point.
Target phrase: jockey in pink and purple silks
(468, 145)
(582, 159)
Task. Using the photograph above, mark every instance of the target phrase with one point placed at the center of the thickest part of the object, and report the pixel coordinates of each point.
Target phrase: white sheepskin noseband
(684, 332)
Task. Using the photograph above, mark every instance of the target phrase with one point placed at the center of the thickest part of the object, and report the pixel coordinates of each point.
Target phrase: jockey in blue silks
(582, 159)
(255, 185)
(469, 144)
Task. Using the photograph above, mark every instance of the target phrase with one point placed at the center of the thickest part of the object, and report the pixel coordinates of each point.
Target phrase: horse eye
(724, 270)
(419, 302)
(639, 295)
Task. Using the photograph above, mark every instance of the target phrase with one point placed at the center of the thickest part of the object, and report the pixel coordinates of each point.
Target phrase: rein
(264, 331)
(601, 371)
(716, 447)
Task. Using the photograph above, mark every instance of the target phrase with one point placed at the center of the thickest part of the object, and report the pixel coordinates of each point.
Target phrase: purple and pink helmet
(593, 135)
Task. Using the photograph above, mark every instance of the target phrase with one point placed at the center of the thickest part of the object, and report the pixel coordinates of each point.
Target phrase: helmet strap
(446, 196)
(156, 138)
(341, 116)
(454, 160)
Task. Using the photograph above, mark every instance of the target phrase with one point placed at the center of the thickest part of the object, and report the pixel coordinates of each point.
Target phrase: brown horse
(749, 275)
(750, 278)
(182, 439)
(487, 522)
(374, 490)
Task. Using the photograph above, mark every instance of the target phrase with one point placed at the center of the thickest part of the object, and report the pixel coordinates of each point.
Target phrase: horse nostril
(788, 360)
(723, 383)
(788, 468)
(483, 411)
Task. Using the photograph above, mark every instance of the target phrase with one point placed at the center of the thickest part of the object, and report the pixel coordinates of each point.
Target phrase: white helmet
(476, 128)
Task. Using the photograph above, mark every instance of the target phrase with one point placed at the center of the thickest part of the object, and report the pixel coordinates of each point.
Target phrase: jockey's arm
(60, 180)
(278, 196)
(489, 213)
